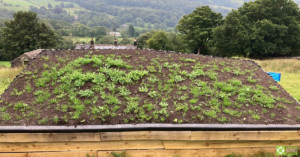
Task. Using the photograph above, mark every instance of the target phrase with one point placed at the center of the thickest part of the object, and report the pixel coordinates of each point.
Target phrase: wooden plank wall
(145, 143)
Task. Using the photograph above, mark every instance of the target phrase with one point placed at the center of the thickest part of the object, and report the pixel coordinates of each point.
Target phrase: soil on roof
(84, 87)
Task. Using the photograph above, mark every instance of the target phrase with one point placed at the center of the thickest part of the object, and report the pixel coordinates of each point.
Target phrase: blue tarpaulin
(276, 76)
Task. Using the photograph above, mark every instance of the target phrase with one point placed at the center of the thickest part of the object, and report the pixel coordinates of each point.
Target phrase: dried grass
(7, 75)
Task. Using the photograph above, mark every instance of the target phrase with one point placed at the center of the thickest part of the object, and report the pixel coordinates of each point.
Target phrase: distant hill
(157, 14)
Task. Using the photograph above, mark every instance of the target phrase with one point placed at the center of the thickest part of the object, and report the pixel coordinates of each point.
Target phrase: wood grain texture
(146, 135)
(13, 155)
(79, 146)
(145, 143)
(162, 153)
(226, 144)
(191, 153)
(64, 154)
(245, 135)
(245, 151)
(152, 135)
(49, 137)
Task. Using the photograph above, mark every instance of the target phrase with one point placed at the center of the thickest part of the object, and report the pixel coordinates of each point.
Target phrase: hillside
(130, 86)
(159, 14)
(108, 6)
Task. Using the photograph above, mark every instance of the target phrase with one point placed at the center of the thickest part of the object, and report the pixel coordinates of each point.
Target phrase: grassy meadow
(18, 5)
(7, 75)
(4, 64)
(290, 73)
(289, 69)
(81, 39)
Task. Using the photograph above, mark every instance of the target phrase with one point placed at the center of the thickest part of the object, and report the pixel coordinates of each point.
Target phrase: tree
(64, 43)
(106, 40)
(98, 31)
(179, 43)
(142, 40)
(25, 33)
(262, 28)
(197, 26)
(49, 6)
(62, 5)
(125, 41)
(131, 31)
(81, 30)
(160, 41)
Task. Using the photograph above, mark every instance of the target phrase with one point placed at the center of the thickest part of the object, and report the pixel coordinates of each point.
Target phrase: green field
(290, 73)
(4, 64)
(17, 5)
(81, 39)
(291, 83)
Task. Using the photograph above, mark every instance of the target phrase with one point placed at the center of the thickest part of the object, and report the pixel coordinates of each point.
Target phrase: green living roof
(100, 87)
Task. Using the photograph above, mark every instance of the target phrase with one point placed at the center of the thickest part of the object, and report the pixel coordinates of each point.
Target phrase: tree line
(27, 32)
(154, 14)
(258, 29)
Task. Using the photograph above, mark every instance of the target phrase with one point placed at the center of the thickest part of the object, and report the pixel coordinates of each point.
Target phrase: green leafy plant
(178, 78)
(251, 80)
(122, 154)
(5, 116)
(124, 91)
(153, 94)
(86, 93)
(20, 106)
(274, 88)
(132, 105)
(256, 116)
(210, 113)
(55, 119)
(15, 92)
(163, 104)
(143, 89)
(43, 121)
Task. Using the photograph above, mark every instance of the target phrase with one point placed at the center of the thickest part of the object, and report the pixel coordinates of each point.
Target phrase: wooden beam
(146, 135)
(13, 155)
(245, 135)
(49, 137)
(79, 146)
(64, 154)
(192, 152)
(225, 144)
(152, 135)
(245, 151)
(202, 135)
(162, 153)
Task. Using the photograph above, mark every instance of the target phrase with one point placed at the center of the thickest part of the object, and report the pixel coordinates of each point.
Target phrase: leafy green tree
(64, 43)
(125, 41)
(1, 50)
(25, 33)
(81, 30)
(179, 43)
(131, 31)
(98, 31)
(262, 28)
(106, 40)
(198, 25)
(142, 40)
(160, 41)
